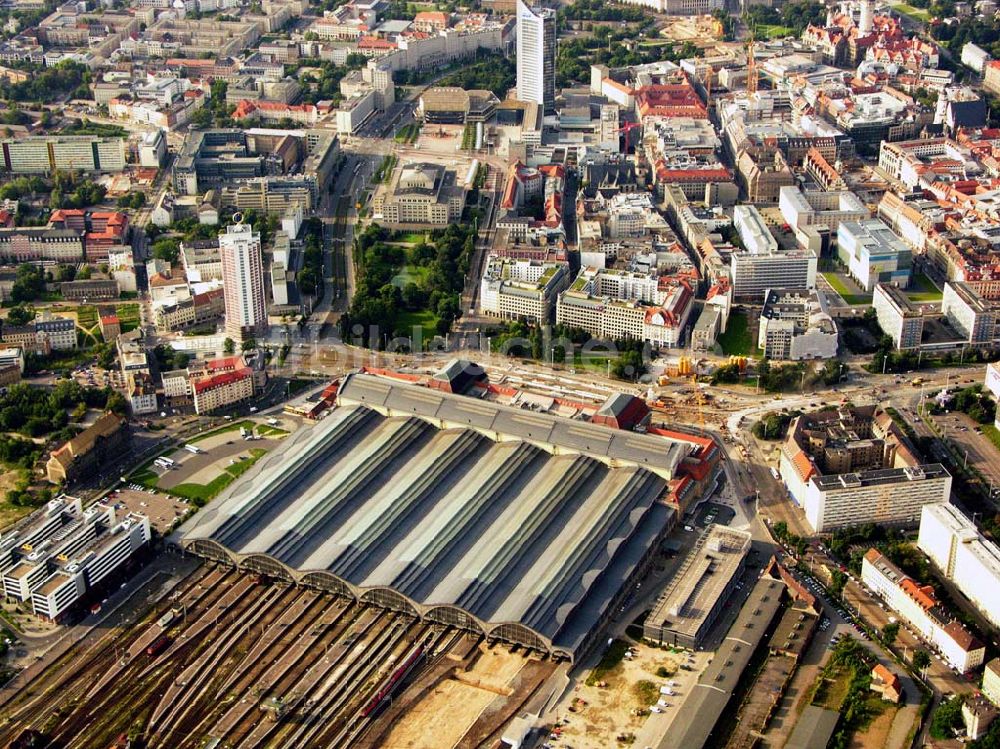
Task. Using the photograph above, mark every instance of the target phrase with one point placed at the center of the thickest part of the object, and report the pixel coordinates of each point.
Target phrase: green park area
(738, 340)
(774, 31)
(917, 14)
(849, 296)
(922, 289)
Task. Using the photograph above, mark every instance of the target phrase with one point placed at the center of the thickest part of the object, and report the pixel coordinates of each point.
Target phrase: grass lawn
(849, 297)
(610, 660)
(86, 316)
(410, 237)
(269, 431)
(737, 339)
(128, 316)
(917, 14)
(10, 479)
(410, 273)
(426, 320)
(774, 31)
(408, 134)
(202, 493)
(922, 289)
(992, 435)
(234, 427)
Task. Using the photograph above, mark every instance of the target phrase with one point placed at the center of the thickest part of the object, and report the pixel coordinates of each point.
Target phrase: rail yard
(236, 658)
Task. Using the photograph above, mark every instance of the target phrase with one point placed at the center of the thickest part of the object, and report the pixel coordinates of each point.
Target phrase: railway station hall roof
(524, 526)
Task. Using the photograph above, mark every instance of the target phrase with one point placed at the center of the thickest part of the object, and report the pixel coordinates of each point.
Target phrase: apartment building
(30, 244)
(222, 390)
(963, 555)
(917, 605)
(900, 318)
(887, 496)
(521, 289)
(65, 153)
(105, 440)
(971, 315)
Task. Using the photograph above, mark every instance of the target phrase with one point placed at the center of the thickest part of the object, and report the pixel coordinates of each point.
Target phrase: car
(655, 709)
(688, 528)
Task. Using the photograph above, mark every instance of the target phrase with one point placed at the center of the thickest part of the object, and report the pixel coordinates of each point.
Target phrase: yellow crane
(751, 68)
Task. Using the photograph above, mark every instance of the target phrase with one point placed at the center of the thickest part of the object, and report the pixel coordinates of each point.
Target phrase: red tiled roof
(221, 380)
(226, 362)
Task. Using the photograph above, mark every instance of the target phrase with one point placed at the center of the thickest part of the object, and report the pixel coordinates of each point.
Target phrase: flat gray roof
(701, 580)
(814, 728)
(431, 515)
(654, 453)
(696, 721)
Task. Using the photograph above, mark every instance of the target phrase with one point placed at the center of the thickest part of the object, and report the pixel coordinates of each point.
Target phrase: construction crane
(627, 128)
(699, 400)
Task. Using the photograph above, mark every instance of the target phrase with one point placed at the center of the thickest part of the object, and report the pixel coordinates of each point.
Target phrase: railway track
(208, 589)
(337, 691)
(298, 684)
(73, 673)
(287, 674)
(416, 658)
(102, 717)
(183, 695)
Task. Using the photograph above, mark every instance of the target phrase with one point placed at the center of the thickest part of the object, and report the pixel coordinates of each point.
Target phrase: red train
(158, 645)
(392, 682)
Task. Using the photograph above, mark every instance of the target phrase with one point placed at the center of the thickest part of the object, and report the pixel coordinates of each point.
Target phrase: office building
(873, 254)
(613, 304)
(536, 55)
(899, 318)
(753, 274)
(917, 605)
(795, 325)
(521, 289)
(819, 207)
(687, 608)
(104, 441)
(12, 356)
(963, 555)
(243, 281)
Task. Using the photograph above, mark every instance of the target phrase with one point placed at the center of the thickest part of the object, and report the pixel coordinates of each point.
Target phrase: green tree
(249, 344)
(947, 718)
(229, 346)
(21, 315)
(889, 633)
(117, 403)
(921, 660)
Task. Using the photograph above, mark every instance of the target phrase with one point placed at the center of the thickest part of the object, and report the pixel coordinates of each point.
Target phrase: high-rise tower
(243, 281)
(536, 55)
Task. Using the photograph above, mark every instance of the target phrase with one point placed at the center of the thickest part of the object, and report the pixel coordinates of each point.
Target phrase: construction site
(236, 660)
